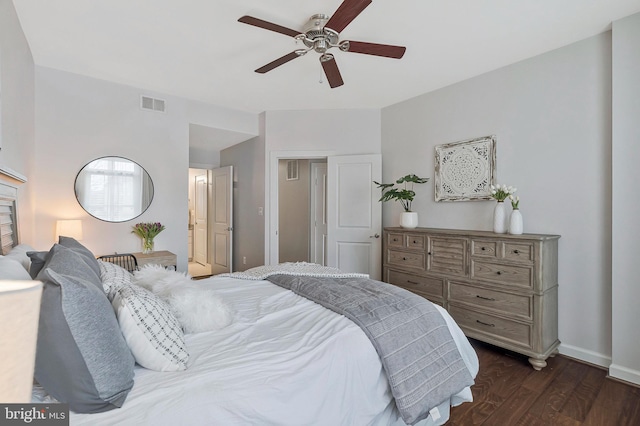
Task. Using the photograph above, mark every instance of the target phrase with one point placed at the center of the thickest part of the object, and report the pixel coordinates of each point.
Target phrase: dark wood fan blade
(386, 50)
(283, 60)
(346, 13)
(268, 26)
(331, 70)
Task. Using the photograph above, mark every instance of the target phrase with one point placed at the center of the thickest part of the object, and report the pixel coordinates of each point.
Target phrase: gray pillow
(37, 262)
(82, 358)
(19, 253)
(11, 269)
(82, 250)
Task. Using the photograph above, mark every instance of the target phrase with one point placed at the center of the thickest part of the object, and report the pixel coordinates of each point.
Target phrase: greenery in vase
(501, 192)
(147, 230)
(404, 194)
(515, 202)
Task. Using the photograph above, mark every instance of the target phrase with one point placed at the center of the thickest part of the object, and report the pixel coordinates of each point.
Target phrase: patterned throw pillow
(113, 277)
(150, 328)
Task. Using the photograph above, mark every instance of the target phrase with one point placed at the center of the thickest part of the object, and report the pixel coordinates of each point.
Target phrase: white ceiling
(196, 48)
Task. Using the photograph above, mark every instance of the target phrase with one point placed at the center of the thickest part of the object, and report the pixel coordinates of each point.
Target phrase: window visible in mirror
(114, 189)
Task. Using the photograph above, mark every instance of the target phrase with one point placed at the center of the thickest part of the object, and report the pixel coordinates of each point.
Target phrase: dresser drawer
(405, 259)
(519, 252)
(512, 275)
(497, 301)
(484, 248)
(500, 329)
(427, 285)
(416, 242)
(395, 240)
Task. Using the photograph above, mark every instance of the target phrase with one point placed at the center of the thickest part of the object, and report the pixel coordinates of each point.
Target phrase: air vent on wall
(152, 104)
(292, 170)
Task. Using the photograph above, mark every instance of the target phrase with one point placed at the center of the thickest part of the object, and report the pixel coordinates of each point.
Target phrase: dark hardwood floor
(509, 392)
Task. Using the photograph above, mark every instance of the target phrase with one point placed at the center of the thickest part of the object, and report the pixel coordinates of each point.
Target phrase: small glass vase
(147, 245)
(500, 218)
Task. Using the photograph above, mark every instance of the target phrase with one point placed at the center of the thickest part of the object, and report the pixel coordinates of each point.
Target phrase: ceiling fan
(320, 34)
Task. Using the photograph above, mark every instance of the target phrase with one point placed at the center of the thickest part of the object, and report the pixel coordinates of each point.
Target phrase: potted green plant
(405, 194)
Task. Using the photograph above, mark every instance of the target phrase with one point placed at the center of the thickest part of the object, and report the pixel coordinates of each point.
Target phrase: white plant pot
(409, 219)
(515, 223)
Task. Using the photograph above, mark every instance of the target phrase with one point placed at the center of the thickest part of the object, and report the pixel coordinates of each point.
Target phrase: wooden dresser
(162, 257)
(501, 289)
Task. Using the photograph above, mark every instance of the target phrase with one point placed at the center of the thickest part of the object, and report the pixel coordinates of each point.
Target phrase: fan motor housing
(317, 36)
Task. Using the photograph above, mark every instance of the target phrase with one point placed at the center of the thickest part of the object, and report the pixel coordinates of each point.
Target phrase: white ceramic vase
(500, 218)
(515, 222)
(409, 219)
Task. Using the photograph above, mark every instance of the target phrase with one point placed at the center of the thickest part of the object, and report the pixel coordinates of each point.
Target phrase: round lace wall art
(465, 170)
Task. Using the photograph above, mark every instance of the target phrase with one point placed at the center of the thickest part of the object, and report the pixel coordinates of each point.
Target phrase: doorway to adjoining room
(198, 223)
(302, 210)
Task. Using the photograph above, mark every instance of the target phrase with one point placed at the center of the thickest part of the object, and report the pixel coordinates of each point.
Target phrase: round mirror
(114, 189)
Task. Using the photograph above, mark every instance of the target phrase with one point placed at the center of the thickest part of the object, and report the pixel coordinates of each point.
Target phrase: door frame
(271, 240)
(203, 177)
(314, 192)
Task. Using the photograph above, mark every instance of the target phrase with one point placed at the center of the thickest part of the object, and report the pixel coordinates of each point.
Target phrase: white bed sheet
(283, 361)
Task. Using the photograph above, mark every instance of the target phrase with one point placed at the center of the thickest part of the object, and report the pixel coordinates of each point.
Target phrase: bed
(283, 360)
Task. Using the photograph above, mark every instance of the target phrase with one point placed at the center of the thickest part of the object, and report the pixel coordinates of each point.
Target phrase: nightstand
(161, 257)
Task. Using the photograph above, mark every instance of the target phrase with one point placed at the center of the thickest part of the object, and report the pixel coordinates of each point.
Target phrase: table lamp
(69, 228)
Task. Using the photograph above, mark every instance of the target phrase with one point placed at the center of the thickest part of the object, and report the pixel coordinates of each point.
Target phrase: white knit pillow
(113, 277)
(150, 328)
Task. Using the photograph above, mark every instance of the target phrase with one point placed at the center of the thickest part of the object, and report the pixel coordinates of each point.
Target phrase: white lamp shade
(69, 228)
(19, 314)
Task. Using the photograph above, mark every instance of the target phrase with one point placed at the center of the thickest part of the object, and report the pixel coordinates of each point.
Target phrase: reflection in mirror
(114, 189)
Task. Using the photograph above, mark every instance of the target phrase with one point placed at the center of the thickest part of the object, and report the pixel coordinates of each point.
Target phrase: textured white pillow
(150, 329)
(113, 277)
(197, 308)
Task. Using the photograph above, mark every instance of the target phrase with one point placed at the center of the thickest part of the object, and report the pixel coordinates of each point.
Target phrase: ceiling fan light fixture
(321, 33)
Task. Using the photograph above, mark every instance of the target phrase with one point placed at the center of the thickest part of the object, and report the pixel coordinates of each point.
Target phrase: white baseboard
(585, 355)
(615, 371)
(624, 373)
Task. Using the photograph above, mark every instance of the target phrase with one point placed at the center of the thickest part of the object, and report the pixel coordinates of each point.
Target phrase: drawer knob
(395, 239)
(429, 253)
(485, 323)
(404, 258)
(516, 251)
(412, 282)
(485, 298)
(483, 249)
(499, 273)
(415, 242)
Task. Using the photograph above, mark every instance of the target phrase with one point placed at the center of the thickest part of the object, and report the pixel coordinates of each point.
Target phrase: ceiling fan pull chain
(321, 74)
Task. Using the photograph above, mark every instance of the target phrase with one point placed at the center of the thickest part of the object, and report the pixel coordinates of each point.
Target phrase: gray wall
(248, 161)
(294, 213)
(626, 204)
(79, 119)
(17, 111)
(552, 118)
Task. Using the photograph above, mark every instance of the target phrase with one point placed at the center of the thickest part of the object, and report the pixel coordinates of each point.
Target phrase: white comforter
(283, 361)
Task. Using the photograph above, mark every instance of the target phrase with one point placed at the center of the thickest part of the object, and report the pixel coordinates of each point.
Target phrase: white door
(318, 213)
(200, 226)
(354, 215)
(221, 181)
